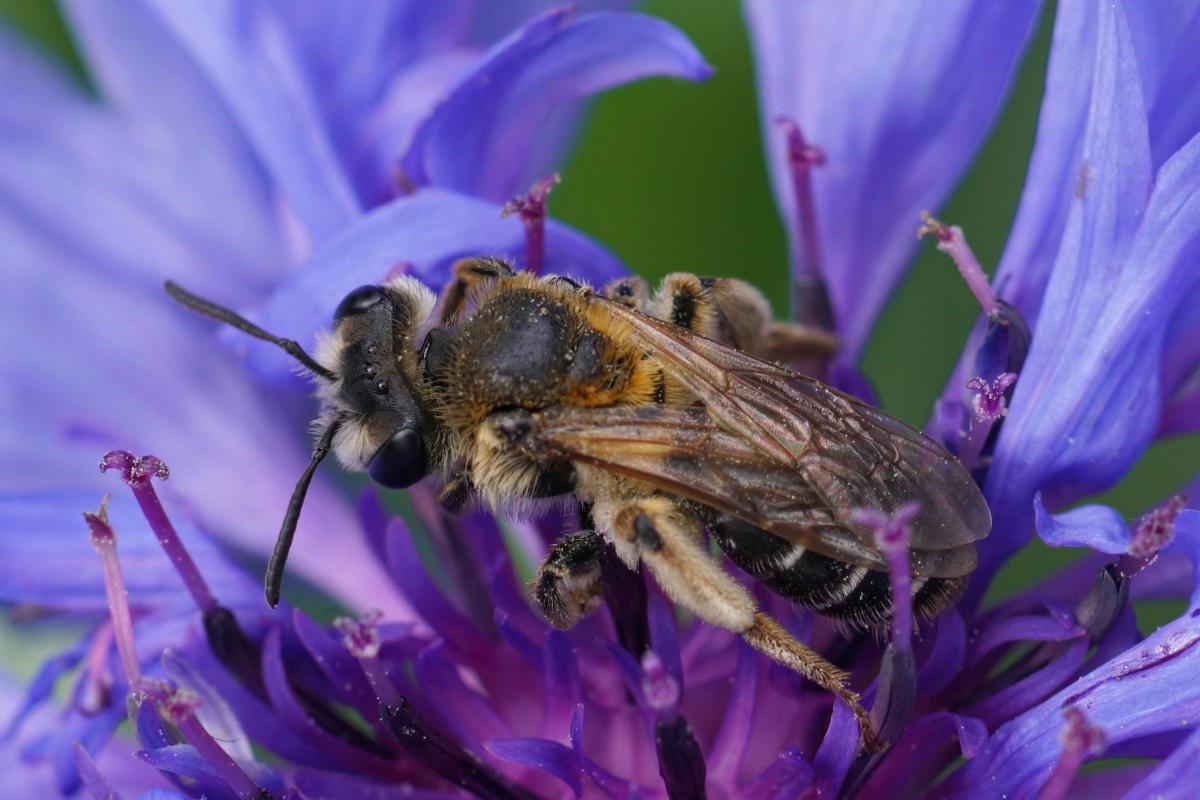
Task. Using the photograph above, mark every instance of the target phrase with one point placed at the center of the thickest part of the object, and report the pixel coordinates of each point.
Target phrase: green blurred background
(659, 182)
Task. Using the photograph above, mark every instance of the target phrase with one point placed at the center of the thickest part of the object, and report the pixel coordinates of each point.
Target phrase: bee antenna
(273, 582)
(221, 314)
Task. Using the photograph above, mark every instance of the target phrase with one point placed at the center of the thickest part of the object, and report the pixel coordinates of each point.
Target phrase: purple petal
(478, 140)
(561, 691)
(184, 761)
(1033, 627)
(837, 750)
(946, 658)
(466, 713)
(339, 666)
(552, 758)
(916, 760)
(664, 637)
(893, 145)
(1098, 527)
(726, 755)
(427, 230)
(787, 776)
(423, 593)
(337, 786)
(1023, 694)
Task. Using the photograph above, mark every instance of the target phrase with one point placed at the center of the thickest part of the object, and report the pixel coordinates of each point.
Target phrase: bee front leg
(568, 586)
(670, 543)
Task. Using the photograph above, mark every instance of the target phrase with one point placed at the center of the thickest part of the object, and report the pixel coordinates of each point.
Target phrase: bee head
(385, 427)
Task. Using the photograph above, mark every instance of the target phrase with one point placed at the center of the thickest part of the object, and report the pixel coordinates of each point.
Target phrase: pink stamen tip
(103, 536)
(532, 210)
(658, 685)
(1079, 734)
(532, 205)
(988, 402)
(135, 471)
(177, 704)
(891, 532)
(360, 636)
(952, 242)
(1156, 529)
(138, 473)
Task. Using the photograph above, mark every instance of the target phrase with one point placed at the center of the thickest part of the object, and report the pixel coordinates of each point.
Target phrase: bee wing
(786, 453)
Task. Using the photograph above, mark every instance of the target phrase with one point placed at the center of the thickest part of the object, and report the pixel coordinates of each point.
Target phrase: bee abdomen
(857, 595)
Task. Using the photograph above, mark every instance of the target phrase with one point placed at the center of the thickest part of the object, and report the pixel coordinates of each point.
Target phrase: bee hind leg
(670, 543)
(568, 585)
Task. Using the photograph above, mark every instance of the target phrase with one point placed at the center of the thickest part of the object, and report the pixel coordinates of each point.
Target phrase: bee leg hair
(630, 291)
(670, 544)
(568, 586)
(789, 343)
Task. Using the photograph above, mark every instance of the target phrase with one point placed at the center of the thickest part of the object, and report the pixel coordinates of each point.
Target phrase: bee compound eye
(357, 302)
(401, 461)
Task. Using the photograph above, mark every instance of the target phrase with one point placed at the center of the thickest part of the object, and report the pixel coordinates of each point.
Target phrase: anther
(1154, 532)
(104, 539)
(1080, 739)
(178, 706)
(952, 242)
(531, 207)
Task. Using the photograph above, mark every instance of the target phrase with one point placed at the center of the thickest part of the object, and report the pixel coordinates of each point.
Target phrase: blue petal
(787, 776)
(170, 112)
(1146, 691)
(336, 786)
(1098, 527)
(259, 74)
(1077, 424)
(1176, 776)
(479, 140)
(185, 761)
(427, 231)
(46, 556)
(897, 128)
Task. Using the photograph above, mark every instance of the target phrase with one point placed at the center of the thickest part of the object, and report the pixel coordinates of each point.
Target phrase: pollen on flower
(659, 686)
(136, 471)
(360, 636)
(1154, 532)
(176, 703)
(988, 403)
(952, 242)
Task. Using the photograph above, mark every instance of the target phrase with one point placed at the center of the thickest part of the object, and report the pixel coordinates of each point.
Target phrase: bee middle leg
(735, 313)
(670, 543)
(568, 586)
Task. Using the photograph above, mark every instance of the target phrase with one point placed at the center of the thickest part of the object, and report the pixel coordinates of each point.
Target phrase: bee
(665, 415)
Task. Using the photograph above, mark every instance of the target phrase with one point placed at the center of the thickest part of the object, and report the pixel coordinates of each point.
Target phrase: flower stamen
(1079, 740)
(532, 209)
(1154, 532)
(680, 759)
(104, 539)
(988, 406)
(952, 242)
(811, 298)
(361, 638)
(137, 473)
(897, 693)
(177, 705)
